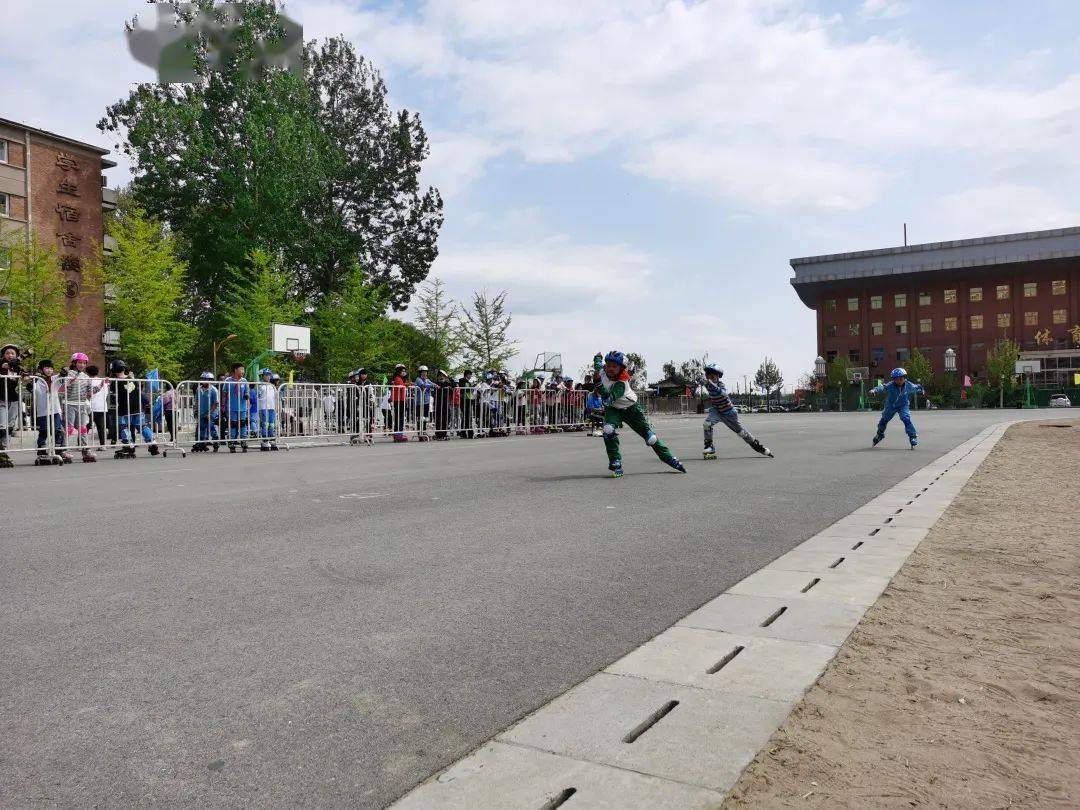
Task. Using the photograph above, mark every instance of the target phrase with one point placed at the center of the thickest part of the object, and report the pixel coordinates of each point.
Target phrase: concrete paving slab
(725, 662)
(512, 777)
(866, 560)
(706, 739)
(832, 587)
(801, 620)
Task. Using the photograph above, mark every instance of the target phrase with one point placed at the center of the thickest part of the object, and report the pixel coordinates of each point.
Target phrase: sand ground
(961, 686)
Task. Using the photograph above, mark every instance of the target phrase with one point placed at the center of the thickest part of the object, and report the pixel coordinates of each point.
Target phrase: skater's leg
(887, 414)
(635, 418)
(711, 418)
(909, 426)
(612, 422)
(731, 419)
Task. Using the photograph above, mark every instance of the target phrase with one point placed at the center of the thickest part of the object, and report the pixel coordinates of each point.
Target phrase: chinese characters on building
(66, 213)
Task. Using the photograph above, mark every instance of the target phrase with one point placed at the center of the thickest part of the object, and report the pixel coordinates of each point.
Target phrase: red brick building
(53, 188)
(875, 307)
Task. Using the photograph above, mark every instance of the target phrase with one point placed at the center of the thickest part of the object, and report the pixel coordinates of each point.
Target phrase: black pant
(98, 418)
(398, 409)
(467, 417)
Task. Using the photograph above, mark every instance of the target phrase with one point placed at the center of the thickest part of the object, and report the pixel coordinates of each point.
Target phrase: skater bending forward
(897, 391)
(621, 406)
(721, 410)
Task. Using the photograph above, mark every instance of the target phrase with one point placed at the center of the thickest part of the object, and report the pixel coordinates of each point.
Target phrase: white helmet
(422, 368)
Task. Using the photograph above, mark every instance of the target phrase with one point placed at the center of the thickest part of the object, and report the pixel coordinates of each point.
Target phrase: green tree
(688, 372)
(32, 281)
(639, 372)
(768, 377)
(836, 375)
(919, 368)
(146, 279)
(484, 333)
(343, 324)
(316, 169)
(390, 341)
(436, 317)
(259, 295)
(1001, 368)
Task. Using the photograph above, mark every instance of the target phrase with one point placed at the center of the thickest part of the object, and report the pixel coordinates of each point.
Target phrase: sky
(636, 174)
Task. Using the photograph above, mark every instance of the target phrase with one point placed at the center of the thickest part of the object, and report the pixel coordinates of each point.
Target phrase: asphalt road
(330, 626)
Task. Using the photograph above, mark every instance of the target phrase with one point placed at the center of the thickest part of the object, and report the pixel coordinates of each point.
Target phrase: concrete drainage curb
(675, 722)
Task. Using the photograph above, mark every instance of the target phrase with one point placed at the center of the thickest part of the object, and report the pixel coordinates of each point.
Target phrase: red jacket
(397, 390)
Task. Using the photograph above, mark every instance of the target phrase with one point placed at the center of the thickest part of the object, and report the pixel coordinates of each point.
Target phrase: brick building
(877, 306)
(54, 188)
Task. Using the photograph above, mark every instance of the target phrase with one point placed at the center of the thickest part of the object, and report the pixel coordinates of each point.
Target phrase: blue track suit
(896, 403)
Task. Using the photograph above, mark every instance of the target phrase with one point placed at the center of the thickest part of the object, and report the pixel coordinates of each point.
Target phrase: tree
(342, 326)
(316, 170)
(436, 316)
(259, 295)
(147, 280)
(919, 368)
(1001, 368)
(390, 341)
(639, 372)
(836, 374)
(32, 281)
(689, 372)
(484, 333)
(768, 377)
(808, 381)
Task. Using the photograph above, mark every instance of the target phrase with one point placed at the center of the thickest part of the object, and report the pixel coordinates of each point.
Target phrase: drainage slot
(650, 721)
(888, 520)
(875, 531)
(811, 584)
(723, 662)
(909, 503)
(559, 800)
(856, 546)
(774, 616)
(840, 560)
(898, 511)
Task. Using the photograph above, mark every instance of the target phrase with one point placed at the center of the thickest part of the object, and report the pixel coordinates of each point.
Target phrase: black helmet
(361, 371)
(45, 364)
(117, 365)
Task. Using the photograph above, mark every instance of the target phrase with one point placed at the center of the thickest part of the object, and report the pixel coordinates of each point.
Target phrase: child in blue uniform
(897, 391)
(207, 414)
(721, 410)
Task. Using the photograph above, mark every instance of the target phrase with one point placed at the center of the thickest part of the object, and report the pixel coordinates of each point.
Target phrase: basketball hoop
(300, 357)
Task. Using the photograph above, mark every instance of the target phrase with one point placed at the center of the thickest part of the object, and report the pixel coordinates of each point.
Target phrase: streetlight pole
(950, 361)
(217, 345)
(819, 373)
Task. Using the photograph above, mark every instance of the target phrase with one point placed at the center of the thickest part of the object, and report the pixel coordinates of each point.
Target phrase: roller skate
(709, 454)
(232, 447)
(914, 441)
(88, 457)
(155, 450)
(63, 456)
(125, 452)
(273, 447)
(616, 469)
(760, 448)
(878, 438)
(216, 445)
(675, 464)
(243, 447)
(264, 447)
(5, 461)
(198, 447)
(43, 459)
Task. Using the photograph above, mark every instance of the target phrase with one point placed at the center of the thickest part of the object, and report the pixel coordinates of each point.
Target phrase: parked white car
(1060, 401)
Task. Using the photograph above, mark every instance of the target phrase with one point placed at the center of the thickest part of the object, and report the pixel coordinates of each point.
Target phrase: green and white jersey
(615, 393)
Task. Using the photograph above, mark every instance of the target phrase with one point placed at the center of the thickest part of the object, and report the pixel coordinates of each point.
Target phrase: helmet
(488, 375)
(9, 346)
(616, 357)
(422, 368)
(399, 365)
(568, 379)
(715, 369)
(79, 356)
(206, 375)
(360, 371)
(117, 365)
(898, 372)
(264, 371)
(275, 377)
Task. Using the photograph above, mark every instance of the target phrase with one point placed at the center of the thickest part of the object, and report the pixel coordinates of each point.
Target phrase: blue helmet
(898, 372)
(264, 371)
(617, 357)
(715, 369)
(206, 375)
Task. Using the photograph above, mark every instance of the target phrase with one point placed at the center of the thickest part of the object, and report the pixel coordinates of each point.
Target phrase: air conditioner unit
(110, 340)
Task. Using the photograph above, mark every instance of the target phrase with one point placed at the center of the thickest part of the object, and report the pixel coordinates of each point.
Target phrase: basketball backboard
(288, 338)
(548, 361)
(858, 373)
(1028, 366)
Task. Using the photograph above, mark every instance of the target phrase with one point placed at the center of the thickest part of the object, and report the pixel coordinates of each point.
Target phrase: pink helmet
(75, 358)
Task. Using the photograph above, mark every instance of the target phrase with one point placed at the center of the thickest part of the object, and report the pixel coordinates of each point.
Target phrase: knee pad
(609, 430)
(651, 439)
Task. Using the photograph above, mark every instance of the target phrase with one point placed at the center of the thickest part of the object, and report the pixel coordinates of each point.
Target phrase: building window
(1002, 292)
(1031, 289)
(1031, 319)
(1061, 316)
(877, 328)
(3, 151)
(875, 302)
(950, 324)
(975, 294)
(853, 330)
(830, 330)
(830, 305)
(5, 306)
(924, 299)
(926, 325)
(902, 355)
(830, 355)
(976, 321)
(853, 355)
(877, 355)
(1059, 287)
(5, 206)
(901, 327)
(950, 296)
(853, 305)
(900, 300)
(1004, 319)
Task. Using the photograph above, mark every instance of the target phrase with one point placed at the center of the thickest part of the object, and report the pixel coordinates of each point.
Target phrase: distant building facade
(876, 307)
(53, 188)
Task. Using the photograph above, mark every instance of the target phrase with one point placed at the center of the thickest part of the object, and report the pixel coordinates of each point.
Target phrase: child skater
(621, 405)
(77, 393)
(897, 391)
(721, 410)
(267, 403)
(207, 414)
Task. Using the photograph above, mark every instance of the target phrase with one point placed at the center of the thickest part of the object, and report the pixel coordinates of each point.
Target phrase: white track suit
(721, 410)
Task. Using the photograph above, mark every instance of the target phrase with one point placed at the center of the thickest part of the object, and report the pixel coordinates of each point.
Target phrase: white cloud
(883, 9)
(1004, 208)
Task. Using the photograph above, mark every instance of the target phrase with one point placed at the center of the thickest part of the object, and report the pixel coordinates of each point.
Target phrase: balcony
(110, 340)
(109, 198)
(109, 293)
(109, 245)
